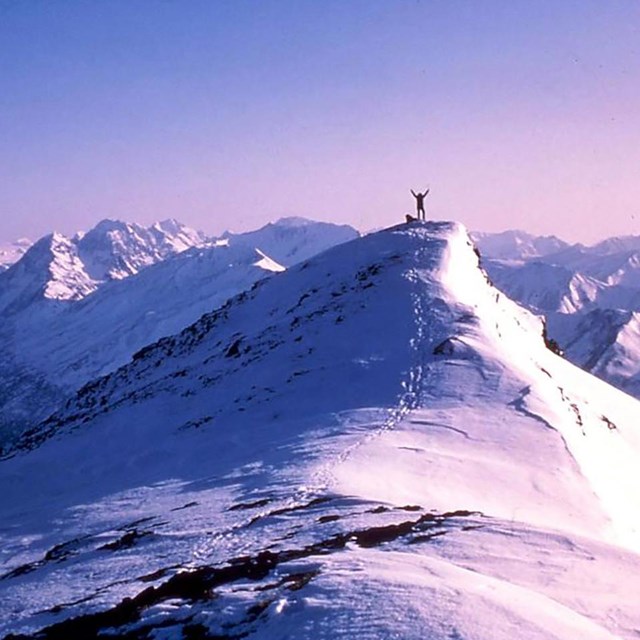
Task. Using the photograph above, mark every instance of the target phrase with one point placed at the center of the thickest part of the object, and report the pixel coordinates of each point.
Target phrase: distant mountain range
(76, 308)
(590, 296)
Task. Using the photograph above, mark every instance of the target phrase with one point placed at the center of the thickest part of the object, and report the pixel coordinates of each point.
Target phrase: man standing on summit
(420, 202)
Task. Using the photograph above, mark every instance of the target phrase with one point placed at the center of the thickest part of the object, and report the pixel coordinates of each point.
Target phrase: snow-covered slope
(293, 240)
(61, 268)
(589, 296)
(122, 317)
(546, 287)
(51, 352)
(73, 309)
(376, 443)
(605, 342)
(38, 333)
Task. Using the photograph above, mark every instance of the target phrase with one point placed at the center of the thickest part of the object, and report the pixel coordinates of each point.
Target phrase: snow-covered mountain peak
(107, 225)
(406, 312)
(113, 250)
(375, 431)
(49, 269)
(65, 269)
(169, 225)
(179, 233)
(516, 245)
(293, 221)
(46, 249)
(67, 277)
(293, 240)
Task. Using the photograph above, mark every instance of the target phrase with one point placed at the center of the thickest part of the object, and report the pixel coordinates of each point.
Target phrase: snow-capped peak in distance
(49, 269)
(589, 295)
(113, 250)
(374, 431)
(70, 314)
(516, 245)
(61, 268)
(292, 240)
(66, 269)
(617, 244)
(293, 221)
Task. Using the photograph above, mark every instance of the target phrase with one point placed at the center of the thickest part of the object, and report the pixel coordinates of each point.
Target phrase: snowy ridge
(52, 352)
(75, 309)
(585, 293)
(375, 442)
(49, 268)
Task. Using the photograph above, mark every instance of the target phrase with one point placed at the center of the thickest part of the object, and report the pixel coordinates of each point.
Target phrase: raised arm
(412, 193)
(425, 193)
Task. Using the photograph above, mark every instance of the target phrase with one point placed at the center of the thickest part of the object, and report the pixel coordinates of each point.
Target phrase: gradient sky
(229, 114)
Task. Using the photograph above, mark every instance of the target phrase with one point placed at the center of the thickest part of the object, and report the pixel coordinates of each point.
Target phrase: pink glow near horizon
(518, 115)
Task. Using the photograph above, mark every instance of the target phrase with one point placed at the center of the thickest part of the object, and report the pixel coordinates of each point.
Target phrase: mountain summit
(61, 268)
(374, 443)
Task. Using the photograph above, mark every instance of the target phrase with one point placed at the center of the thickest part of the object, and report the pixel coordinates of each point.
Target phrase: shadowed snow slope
(76, 308)
(375, 443)
(53, 349)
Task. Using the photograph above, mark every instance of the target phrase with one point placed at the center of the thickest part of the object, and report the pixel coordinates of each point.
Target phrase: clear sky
(229, 114)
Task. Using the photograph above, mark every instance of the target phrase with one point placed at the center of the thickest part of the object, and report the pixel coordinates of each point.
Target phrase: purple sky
(229, 114)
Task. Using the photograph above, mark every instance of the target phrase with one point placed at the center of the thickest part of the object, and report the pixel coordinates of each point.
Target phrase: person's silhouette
(420, 202)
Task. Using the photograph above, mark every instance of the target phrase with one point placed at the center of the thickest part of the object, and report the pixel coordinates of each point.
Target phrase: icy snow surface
(373, 444)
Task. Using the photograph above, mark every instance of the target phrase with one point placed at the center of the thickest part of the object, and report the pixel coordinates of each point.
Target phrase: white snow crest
(375, 443)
